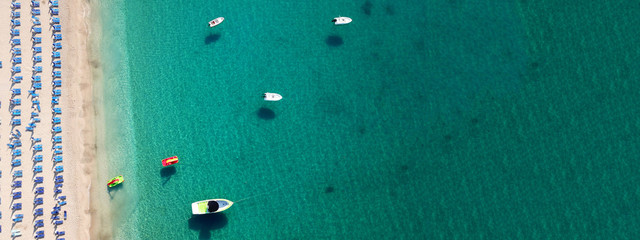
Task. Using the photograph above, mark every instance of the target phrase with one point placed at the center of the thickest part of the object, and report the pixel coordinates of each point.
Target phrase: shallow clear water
(419, 120)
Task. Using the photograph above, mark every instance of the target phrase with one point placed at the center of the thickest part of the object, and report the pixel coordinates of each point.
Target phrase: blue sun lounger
(57, 45)
(36, 39)
(16, 91)
(37, 147)
(38, 224)
(56, 139)
(57, 74)
(39, 191)
(16, 122)
(15, 5)
(38, 179)
(39, 235)
(57, 147)
(57, 37)
(38, 212)
(15, 112)
(59, 180)
(16, 184)
(16, 69)
(16, 163)
(57, 92)
(16, 206)
(17, 173)
(38, 201)
(54, 11)
(57, 152)
(15, 22)
(35, 3)
(16, 101)
(55, 20)
(37, 158)
(37, 49)
(15, 14)
(55, 100)
(16, 60)
(57, 222)
(55, 54)
(16, 51)
(17, 217)
(55, 120)
(16, 79)
(37, 59)
(57, 110)
(37, 169)
(35, 20)
(59, 233)
(15, 32)
(57, 186)
(56, 129)
(36, 30)
(16, 195)
(15, 41)
(59, 169)
(37, 86)
(57, 28)
(35, 12)
(57, 83)
(53, 3)
(62, 203)
(16, 152)
(57, 159)
(37, 69)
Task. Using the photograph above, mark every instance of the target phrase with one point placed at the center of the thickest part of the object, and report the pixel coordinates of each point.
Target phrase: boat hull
(341, 20)
(115, 181)
(215, 22)
(169, 161)
(272, 97)
(199, 208)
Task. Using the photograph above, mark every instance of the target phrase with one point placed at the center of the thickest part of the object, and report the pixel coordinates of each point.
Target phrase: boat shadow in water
(266, 114)
(207, 223)
(166, 173)
(211, 38)
(334, 40)
(111, 190)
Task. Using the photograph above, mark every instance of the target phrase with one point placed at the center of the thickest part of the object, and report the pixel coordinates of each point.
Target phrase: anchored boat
(169, 161)
(341, 20)
(271, 96)
(210, 206)
(215, 22)
(115, 181)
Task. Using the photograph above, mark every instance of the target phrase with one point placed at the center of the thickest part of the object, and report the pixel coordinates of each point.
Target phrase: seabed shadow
(207, 223)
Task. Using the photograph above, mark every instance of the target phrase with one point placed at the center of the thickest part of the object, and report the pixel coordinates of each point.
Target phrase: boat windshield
(212, 206)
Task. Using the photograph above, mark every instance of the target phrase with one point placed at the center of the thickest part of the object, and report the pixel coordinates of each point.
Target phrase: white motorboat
(210, 206)
(215, 22)
(341, 20)
(271, 97)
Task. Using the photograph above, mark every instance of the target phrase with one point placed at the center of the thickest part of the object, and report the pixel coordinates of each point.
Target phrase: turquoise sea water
(420, 120)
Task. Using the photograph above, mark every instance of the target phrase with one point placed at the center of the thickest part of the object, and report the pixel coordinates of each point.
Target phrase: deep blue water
(419, 120)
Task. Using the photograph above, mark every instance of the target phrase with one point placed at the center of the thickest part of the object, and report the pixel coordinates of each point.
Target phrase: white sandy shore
(77, 122)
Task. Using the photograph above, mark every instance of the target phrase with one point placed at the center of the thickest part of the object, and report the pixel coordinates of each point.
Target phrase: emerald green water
(419, 120)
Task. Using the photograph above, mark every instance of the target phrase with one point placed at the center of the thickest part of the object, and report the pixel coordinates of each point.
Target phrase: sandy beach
(77, 127)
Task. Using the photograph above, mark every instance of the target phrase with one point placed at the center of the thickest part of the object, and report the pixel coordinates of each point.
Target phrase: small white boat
(215, 22)
(341, 20)
(271, 97)
(210, 206)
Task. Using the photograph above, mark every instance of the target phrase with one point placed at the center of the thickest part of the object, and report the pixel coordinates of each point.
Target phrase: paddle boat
(115, 181)
(341, 20)
(210, 206)
(271, 97)
(169, 161)
(215, 22)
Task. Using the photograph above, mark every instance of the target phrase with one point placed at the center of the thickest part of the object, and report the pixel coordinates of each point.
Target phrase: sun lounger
(16, 206)
(35, 3)
(37, 86)
(55, 20)
(56, 129)
(15, 41)
(15, 14)
(37, 59)
(35, 12)
(17, 173)
(36, 30)
(36, 101)
(57, 159)
(16, 233)
(38, 212)
(37, 169)
(59, 169)
(16, 112)
(35, 120)
(16, 195)
(16, 69)
(16, 51)
(54, 11)
(38, 201)
(15, 22)
(36, 39)
(15, 5)
(16, 163)
(37, 49)
(57, 37)
(57, 45)
(53, 3)
(57, 28)
(37, 158)
(57, 74)
(16, 122)
(38, 179)
(36, 69)
(57, 83)
(16, 101)
(57, 152)
(55, 100)
(62, 198)
(35, 20)
(62, 203)
(55, 54)
(16, 60)
(57, 92)
(14, 32)
(57, 222)
(16, 91)
(16, 184)
(16, 79)
(56, 120)
(57, 110)
(39, 191)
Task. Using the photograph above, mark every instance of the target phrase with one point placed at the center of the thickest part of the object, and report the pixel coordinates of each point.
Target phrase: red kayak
(169, 161)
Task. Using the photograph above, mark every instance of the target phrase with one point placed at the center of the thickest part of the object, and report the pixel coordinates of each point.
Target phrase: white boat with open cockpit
(271, 96)
(215, 22)
(341, 20)
(210, 206)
